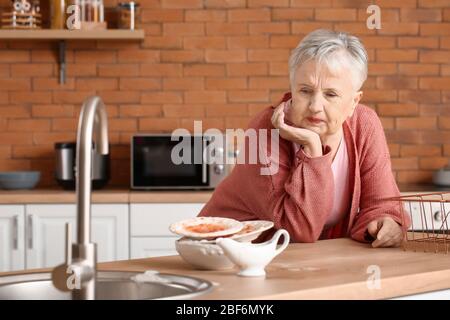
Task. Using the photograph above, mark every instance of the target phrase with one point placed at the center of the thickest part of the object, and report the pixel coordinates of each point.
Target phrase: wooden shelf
(52, 34)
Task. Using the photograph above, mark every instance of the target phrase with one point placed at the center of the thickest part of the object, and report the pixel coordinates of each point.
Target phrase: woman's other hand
(386, 232)
(309, 139)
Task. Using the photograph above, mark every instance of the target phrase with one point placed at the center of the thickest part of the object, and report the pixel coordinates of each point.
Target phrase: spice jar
(128, 15)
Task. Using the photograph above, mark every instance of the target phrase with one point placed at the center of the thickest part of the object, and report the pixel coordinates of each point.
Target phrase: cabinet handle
(15, 239)
(30, 232)
(437, 216)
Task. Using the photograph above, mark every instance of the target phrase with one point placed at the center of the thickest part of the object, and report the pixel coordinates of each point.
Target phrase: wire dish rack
(429, 214)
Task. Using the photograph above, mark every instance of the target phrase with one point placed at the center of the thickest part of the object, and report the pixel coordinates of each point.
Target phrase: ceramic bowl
(16, 180)
(203, 255)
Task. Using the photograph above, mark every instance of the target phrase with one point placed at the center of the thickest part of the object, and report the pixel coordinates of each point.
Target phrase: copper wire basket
(429, 214)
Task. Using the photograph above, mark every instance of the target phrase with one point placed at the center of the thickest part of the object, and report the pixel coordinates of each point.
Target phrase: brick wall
(222, 61)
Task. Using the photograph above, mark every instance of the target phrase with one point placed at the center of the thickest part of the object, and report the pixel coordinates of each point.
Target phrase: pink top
(342, 195)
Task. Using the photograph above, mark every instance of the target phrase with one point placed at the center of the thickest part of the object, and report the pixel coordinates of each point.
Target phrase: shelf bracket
(62, 61)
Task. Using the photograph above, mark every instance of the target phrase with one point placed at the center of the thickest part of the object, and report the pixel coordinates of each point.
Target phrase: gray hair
(326, 46)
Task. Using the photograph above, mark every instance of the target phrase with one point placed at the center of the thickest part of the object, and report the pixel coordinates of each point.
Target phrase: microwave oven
(159, 161)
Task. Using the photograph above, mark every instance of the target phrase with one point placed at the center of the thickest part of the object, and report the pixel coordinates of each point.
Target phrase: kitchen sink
(110, 285)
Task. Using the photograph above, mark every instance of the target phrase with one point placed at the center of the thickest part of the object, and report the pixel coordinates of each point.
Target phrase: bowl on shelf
(18, 180)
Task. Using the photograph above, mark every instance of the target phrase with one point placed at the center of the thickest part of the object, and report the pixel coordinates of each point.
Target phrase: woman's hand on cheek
(386, 232)
(309, 139)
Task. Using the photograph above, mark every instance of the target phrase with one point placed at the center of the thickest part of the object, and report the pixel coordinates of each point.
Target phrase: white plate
(251, 230)
(206, 227)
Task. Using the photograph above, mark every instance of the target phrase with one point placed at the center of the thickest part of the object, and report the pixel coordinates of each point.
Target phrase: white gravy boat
(253, 258)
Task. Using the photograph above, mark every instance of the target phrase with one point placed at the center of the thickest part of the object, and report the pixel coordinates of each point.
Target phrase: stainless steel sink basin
(109, 285)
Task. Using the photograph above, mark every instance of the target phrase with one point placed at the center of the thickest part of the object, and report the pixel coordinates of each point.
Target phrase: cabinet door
(46, 232)
(154, 219)
(12, 248)
(146, 247)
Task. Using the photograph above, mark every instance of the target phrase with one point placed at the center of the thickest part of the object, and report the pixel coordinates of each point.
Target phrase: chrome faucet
(78, 273)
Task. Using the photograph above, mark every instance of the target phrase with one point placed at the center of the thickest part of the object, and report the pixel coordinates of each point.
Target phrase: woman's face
(317, 94)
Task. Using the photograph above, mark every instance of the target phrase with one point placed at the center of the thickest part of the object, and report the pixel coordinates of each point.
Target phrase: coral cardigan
(299, 196)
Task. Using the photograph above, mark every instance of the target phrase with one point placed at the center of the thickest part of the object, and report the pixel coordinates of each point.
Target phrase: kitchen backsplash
(222, 61)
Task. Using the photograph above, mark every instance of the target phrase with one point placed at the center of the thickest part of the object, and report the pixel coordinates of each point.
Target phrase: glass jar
(128, 15)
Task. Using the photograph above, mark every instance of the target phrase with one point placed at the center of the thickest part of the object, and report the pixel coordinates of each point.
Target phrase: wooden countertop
(328, 269)
(103, 196)
(132, 196)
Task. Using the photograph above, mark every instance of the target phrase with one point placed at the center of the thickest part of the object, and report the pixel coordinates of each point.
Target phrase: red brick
(269, 83)
(182, 4)
(217, 110)
(120, 96)
(213, 42)
(445, 43)
(161, 97)
(218, 28)
(423, 123)
(14, 165)
(248, 96)
(118, 70)
(205, 15)
(182, 56)
(292, 14)
(139, 84)
(435, 56)
(435, 29)
(66, 125)
(153, 29)
(238, 15)
(356, 28)
(335, 15)
(122, 124)
(432, 109)
(225, 3)
(420, 15)
(76, 97)
(398, 109)
(18, 111)
(412, 69)
(81, 69)
(52, 137)
(224, 56)
(387, 15)
(30, 70)
(433, 163)
(444, 122)
(161, 70)
(268, 3)
(140, 110)
(48, 55)
(435, 83)
(446, 15)
(28, 125)
(418, 42)
(228, 83)
(382, 69)
(95, 56)
(378, 42)
(435, 136)
(447, 149)
(387, 123)
(186, 83)
(205, 97)
(14, 56)
(404, 163)
(279, 69)
(15, 84)
(387, 55)
(211, 70)
(158, 124)
(396, 3)
(404, 136)
(418, 96)
(394, 149)
(263, 55)
(269, 27)
(184, 29)
(284, 41)
(433, 3)
(419, 150)
(97, 84)
(138, 55)
(42, 84)
(30, 97)
(183, 110)
(310, 3)
(164, 42)
(161, 15)
(248, 42)
(5, 152)
(379, 95)
(247, 69)
(52, 111)
(396, 82)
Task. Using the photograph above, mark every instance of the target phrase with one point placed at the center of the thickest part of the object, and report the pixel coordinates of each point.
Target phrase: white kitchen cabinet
(45, 232)
(12, 247)
(146, 247)
(428, 215)
(149, 227)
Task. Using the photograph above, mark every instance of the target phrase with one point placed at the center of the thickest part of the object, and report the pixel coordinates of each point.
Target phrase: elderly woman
(333, 160)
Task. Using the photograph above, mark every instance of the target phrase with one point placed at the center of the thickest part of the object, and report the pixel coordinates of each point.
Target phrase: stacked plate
(198, 244)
